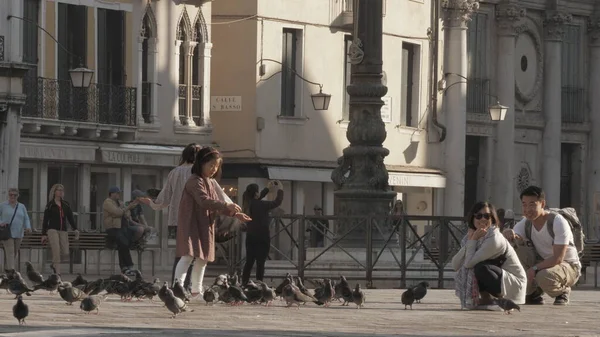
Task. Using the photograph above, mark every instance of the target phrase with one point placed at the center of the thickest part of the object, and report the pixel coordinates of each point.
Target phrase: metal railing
(100, 103)
(478, 100)
(573, 105)
(403, 248)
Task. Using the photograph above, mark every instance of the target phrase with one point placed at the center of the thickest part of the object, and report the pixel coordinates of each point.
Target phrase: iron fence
(403, 248)
(100, 103)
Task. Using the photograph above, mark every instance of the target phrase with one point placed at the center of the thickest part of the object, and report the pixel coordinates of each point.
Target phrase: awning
(134, 154)
(413, 179)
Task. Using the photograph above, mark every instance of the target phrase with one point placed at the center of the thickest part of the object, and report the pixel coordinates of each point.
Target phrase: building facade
(277, 133)
(541, 60)
(151, 64)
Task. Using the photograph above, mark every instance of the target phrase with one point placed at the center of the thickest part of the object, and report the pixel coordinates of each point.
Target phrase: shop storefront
(88, 171)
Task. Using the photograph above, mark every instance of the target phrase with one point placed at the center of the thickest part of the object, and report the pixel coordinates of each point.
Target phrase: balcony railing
(478, 100)
(100, 103)
(147, 101)
(573, 105)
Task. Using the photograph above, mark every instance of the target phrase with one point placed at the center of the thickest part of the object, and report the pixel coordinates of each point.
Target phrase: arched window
(183, 38)
(147, 68)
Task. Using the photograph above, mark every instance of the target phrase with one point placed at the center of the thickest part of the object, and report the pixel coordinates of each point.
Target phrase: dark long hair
(204, 156)
(248, 196)
(188, 155)
(476, 208)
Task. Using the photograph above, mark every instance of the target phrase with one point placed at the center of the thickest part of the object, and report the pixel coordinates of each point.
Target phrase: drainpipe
(434, 69)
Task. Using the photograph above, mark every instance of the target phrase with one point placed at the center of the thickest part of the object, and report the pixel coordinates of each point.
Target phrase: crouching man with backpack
(547, 247)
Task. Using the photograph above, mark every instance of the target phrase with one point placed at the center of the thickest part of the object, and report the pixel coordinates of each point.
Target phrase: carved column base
(360, 203)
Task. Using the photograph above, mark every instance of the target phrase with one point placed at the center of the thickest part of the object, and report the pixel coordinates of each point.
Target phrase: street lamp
(497, 111)
(320, 101)
(80, 77)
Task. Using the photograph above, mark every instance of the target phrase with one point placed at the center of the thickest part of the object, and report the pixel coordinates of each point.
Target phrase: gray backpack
(571, 216)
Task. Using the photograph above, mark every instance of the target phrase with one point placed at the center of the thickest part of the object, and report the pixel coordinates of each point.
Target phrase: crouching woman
(487, 266)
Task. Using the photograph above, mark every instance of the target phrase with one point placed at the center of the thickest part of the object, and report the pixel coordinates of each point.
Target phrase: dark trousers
(121, 238)
(186, 282)
(489, 278)
(257, 250)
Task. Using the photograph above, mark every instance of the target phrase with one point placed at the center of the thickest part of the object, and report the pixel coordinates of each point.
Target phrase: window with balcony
(347, 78)
(477, 63)
(182, 36)
(409, 115)
(290, 58)
(72, 34)
(573, 93)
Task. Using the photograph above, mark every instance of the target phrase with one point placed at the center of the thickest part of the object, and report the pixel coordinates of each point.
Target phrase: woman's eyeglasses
(480, 216)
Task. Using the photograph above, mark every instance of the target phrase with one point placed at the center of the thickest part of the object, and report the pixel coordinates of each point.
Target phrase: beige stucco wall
(319, 137)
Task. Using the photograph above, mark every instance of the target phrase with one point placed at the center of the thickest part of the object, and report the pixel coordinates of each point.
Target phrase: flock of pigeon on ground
(225, 289)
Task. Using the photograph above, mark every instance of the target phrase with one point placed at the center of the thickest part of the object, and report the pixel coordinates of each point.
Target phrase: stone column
(140, 88)
(204, 67)
(594, 97)
(554, 31)
(189, 68)
(153, 78)
(503, 178)
(456, 15)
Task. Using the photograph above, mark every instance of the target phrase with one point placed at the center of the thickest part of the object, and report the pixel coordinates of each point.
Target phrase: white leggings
(197, 272)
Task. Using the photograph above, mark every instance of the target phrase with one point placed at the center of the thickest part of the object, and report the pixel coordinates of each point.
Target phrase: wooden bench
(591, 255)
(88, 241)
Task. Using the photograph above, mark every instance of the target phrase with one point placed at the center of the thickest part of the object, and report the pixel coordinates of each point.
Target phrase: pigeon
(358, 296)
(507, 305)
(220, 280)
(33, 276)
(148, 290)
(51, 283)
(92, 303)
(420, 291)
(237, 294)
(18, 287)
(70, 294)
(175, 304)
(292, 294)
(4, 282)
(343, 290)
(20, 310)
(179, 292)
(408, 298)
(268, 294)
(95, 287)
(285, 282)
(79, 280)
(325, 293)
(303, 289)
(209, 296)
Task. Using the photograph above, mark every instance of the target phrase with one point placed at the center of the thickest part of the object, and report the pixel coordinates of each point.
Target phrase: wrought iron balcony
(573, 105)
(99, 104)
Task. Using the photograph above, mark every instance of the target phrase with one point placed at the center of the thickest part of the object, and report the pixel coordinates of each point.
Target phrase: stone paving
(438, 315)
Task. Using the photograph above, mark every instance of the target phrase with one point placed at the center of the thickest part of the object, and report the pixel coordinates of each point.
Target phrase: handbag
(5, 231)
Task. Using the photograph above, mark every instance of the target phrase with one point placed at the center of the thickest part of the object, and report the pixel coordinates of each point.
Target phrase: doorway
(473, 144)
